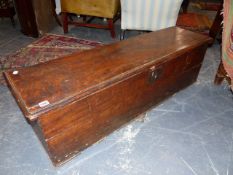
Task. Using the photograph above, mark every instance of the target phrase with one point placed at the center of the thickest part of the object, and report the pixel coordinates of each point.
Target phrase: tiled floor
(189, 134)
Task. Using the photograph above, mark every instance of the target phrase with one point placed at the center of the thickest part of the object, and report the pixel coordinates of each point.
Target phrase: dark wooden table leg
(65, 22)
(111, 28)
(26, 16)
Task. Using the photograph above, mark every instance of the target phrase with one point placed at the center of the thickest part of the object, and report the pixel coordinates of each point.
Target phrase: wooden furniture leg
(111, 28)
(65, 22)
(27, 18)
(216, 26)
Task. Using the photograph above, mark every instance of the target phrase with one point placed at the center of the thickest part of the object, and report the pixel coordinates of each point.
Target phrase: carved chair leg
(65, 22)
(111, 28)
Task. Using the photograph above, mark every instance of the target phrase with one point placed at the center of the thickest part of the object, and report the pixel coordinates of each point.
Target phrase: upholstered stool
(99, 8)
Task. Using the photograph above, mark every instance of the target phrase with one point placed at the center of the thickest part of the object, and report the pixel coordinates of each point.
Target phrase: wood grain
(95, 92)
(81, 74)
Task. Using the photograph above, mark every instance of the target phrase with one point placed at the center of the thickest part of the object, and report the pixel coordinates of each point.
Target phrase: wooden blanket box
(75, 101)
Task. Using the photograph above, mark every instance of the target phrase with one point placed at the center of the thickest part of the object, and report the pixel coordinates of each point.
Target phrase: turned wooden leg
(65, 22)
(111, 28)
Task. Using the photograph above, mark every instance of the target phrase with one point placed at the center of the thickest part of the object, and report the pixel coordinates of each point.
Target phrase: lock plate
(154, 74)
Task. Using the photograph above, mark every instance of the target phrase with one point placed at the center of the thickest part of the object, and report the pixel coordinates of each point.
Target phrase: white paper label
(15, 72)
(43, 103)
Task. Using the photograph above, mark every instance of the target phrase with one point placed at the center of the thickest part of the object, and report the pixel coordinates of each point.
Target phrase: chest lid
(48, 85)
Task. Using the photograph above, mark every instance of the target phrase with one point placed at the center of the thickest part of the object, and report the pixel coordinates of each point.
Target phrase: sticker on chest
(44, 103)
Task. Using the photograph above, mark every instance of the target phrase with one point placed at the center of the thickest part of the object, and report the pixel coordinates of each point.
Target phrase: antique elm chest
(74, 101)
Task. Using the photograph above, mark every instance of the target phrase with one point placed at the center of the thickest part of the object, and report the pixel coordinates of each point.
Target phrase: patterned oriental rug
(47, 48)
